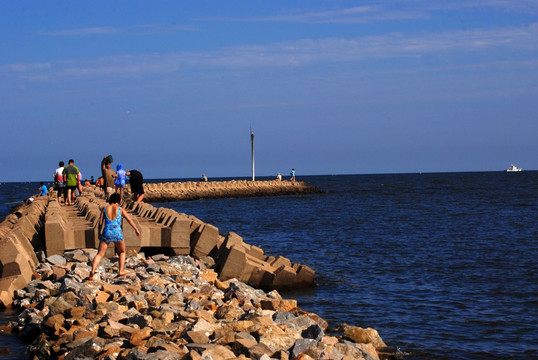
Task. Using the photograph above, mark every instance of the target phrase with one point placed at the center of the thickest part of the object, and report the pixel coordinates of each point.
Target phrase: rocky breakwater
(169, 308)
(173, 191)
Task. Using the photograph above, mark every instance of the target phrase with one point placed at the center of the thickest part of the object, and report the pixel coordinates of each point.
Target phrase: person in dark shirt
(137, 184)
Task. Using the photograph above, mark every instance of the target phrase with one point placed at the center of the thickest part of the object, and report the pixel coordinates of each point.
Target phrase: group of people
(67, 182)
(292, 175)
(113, 184)
(114, 181)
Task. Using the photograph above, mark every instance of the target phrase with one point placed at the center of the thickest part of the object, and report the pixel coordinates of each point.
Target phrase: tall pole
(252, 151)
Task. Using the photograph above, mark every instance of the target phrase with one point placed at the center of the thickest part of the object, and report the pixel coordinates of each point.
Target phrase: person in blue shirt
(119, 182)
(292, 175)
(42, 189)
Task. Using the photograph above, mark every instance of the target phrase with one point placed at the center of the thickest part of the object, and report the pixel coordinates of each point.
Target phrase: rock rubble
(169, 308)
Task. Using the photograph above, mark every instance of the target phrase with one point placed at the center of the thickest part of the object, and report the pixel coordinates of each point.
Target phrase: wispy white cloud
(358, 14)
(391, 10)
(520, 6)
(142, 29)
(103, 30)
(296, 53)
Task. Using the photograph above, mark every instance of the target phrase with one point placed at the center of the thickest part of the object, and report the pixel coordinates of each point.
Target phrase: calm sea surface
(444, 266)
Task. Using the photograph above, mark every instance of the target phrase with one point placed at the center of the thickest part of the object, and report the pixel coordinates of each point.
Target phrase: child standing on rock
(110, 230)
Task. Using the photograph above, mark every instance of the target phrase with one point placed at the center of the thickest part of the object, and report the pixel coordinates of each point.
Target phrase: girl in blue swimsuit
(110, 229)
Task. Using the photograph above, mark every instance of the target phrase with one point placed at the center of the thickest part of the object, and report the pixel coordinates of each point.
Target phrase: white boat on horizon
(513, 168)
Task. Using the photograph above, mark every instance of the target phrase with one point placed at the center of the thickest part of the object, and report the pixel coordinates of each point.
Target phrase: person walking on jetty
(137, 184)
(59, 182)
(110, 231)
(108, 175)
(71, 181)
(292, 175)
(120, 180)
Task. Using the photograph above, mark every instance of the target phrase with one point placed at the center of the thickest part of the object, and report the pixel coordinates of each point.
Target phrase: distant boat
(513, 168)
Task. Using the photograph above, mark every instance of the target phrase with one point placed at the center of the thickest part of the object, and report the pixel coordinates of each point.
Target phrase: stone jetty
(190, 293)
(45, 228)
(191, 190)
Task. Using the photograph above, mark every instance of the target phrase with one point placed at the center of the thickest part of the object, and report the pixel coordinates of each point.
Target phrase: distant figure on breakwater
(137, 184)
(279, 177)
(78, 190)
(110, 231)
(120, 180)
(42, 189)
(59, 182)
(204, 178)
(71, 181)
(108, 175)
(100, 183)
(292, 175)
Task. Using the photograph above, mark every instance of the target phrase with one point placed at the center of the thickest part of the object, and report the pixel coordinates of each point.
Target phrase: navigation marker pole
(252, 151)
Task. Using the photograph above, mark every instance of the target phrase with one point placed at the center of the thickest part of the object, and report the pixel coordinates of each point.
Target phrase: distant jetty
(192, 190)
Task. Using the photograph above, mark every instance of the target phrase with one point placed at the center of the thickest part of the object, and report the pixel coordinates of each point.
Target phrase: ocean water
(444, 266)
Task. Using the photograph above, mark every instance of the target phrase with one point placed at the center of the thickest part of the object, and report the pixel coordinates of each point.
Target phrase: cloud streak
(383, 11)
(293, 53)
(353, 15)
(143, 29)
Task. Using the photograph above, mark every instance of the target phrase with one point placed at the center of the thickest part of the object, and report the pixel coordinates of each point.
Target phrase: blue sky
(329, 87)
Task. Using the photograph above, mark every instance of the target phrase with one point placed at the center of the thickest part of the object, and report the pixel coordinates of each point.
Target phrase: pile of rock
(169, 308)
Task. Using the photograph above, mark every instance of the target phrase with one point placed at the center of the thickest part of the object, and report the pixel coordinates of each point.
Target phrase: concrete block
(180, 232)
(155, 234)
(232, 263)
(54, 235)
(23, 246)
(256, 252)
(7, 286)
(305, 277)
(284, 277)
(130, 238)
(15, 261)
(233, 240)
(279, 261)
(204, 241)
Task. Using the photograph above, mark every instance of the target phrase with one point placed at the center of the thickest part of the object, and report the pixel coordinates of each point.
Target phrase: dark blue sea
(444, 266)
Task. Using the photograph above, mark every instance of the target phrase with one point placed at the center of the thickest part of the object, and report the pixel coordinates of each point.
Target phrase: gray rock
(314, 332)
(281, 317)
(151, 287)
(56, 260)
(141, 320)
(159, 257)
(89, 348)
(70, 255)
(154, 268)
(69, 284)
(59, 306)
(300, 346)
